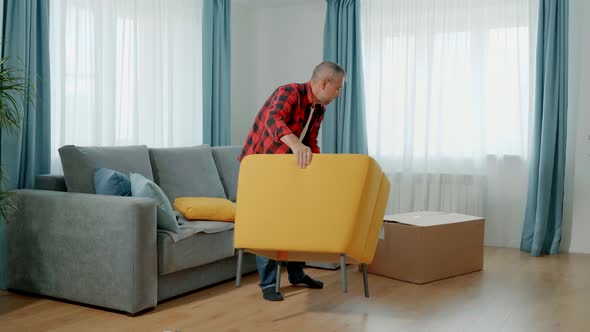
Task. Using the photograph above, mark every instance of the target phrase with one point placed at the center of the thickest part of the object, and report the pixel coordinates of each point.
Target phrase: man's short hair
(327, 70)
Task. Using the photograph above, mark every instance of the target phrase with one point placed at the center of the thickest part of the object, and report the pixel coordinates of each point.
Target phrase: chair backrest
(334, 206)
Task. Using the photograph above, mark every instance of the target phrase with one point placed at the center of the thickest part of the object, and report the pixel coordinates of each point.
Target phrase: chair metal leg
(365, 280)
(278, 283)
(239, 268)
(343, 268)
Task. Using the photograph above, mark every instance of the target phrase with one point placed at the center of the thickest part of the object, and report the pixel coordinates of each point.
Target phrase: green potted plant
(14, 90)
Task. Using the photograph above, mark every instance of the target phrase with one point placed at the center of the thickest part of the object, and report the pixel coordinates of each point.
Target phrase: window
(447, 83)
(125, 72)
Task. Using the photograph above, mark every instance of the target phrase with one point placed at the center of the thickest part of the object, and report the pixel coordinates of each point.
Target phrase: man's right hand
(301, 151)
(303, 154)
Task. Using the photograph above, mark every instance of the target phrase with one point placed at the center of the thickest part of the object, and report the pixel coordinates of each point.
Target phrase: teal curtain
(216, 72)
(343, 128)
(26, 153)
(542, 225)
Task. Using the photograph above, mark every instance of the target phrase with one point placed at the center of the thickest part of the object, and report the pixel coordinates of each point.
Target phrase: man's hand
(301, 151)
(303, 154)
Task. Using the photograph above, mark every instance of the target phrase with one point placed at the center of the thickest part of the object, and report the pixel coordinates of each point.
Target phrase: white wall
(273, 43)
(576, 223)
(243, 89)
(291, 45)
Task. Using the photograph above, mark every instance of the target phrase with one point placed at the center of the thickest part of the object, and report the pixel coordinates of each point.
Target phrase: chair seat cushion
(333, 206)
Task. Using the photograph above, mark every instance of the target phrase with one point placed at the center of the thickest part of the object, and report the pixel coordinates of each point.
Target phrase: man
(289, 122)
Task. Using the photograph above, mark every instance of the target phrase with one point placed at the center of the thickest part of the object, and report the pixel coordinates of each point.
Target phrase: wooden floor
(515, 292)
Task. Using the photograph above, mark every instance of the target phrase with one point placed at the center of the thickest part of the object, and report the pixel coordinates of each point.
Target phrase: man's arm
(301, 151)
(281, 105)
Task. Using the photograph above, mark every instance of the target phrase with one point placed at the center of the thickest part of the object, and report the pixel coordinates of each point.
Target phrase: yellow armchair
(331, 211)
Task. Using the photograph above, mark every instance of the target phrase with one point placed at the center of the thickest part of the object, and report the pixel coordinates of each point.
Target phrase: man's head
(327, 81)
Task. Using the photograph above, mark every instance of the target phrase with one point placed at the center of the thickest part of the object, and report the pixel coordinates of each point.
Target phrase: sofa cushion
(186, 172)
(111, 182)
(142, 187)
(188, 228)
(196, 250)
(206, 208)
(79, 163)
(51, 182)
(228, 167)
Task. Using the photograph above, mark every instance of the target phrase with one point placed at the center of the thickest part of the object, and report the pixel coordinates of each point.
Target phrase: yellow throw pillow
(206, 208)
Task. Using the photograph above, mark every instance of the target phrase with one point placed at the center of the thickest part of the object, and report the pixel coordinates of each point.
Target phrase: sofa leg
(365, 279)
(343, 269)
(278, 283)
(239, 269)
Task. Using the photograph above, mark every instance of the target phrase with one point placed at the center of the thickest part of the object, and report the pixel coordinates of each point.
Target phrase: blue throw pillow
(142, 187)
(110, 182)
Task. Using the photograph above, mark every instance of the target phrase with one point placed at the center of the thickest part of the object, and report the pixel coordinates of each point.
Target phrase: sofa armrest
(50, 182)
(94, 249)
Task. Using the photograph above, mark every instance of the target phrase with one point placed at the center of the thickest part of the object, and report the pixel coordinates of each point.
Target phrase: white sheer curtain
(449, 90)
(125, 72)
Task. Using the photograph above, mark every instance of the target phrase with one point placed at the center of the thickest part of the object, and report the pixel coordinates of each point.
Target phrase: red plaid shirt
(285, 112)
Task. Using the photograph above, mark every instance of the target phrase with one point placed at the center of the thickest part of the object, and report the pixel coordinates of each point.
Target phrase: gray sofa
(66, 242)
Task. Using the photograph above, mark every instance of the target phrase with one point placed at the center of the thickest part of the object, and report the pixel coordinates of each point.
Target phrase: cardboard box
(421, 247)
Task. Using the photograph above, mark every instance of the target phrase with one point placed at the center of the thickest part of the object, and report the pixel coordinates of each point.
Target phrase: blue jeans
(267, 269)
